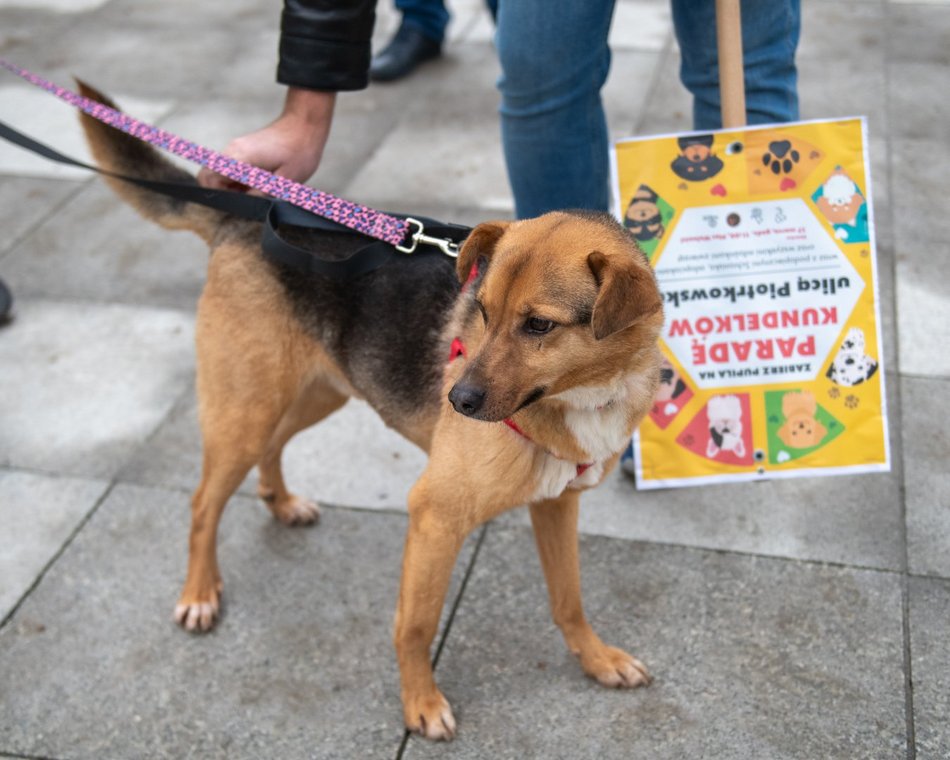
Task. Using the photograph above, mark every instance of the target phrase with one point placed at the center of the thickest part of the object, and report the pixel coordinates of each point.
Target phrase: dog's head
(801, 430)
(851, 366)
(562, 301)
(725, 425)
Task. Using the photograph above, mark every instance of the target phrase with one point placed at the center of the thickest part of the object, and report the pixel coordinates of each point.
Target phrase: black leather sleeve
(325, 44)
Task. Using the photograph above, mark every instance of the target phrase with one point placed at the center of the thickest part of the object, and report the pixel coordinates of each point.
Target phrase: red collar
(581, 468)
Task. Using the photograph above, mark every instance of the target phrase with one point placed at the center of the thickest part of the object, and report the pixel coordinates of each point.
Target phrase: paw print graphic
(781, 157)
(833, 393)
(851, 402)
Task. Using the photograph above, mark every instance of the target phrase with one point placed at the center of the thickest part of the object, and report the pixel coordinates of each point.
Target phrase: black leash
(272, 213)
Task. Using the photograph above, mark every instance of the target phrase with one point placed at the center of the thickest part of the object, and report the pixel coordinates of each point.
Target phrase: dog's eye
(539, 325)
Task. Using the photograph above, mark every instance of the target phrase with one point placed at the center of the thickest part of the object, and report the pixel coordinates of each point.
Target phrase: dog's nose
(467, 399)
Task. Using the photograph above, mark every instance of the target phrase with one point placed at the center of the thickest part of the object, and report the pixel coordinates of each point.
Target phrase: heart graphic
(718, 190)
(787, 184)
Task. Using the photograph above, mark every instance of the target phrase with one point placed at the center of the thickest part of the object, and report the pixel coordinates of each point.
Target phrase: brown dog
(553, 363)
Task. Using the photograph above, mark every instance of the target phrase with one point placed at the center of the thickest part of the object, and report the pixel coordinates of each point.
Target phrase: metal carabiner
(418, 237)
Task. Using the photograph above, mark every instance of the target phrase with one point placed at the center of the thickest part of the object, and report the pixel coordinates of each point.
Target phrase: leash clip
(418, 237)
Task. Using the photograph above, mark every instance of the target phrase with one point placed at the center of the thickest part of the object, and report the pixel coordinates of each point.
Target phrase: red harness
(458, 349)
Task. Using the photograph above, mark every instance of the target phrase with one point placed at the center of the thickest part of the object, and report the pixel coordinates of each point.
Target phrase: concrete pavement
(786, 619)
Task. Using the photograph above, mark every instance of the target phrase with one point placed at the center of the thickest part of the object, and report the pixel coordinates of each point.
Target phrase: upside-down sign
(764, 250)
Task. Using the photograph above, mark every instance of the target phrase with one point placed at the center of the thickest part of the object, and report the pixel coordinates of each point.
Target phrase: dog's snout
(467, 399)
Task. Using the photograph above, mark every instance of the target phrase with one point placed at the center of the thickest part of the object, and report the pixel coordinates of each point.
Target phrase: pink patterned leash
(354, 216)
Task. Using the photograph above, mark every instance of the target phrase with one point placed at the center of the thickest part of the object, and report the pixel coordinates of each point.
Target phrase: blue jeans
(429, 17)
(554, 58)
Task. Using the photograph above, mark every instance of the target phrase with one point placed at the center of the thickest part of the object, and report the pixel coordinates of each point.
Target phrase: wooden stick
(731, 75)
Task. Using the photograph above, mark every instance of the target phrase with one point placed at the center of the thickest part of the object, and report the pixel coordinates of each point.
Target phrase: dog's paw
(430, 716)
(198, 616)
(292, 510)
(615, 668)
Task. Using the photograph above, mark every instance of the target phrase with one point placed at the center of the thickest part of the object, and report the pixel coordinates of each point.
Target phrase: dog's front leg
(432, 545)
(555, 530)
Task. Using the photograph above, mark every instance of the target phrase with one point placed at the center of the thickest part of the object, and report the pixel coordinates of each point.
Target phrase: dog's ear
(480, 243)
(628, 293)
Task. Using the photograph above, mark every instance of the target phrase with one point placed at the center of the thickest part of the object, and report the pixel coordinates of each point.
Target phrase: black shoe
(6, 303)
(407, 50)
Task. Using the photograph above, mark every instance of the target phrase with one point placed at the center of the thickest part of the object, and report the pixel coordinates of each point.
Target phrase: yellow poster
(763, 244)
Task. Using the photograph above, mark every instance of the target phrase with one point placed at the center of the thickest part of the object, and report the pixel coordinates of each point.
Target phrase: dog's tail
(123, 154)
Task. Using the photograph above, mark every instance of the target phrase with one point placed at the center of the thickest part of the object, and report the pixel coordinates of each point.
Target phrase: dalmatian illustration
(851, 365)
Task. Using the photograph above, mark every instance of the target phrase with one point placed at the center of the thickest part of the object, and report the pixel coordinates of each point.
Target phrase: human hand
(291, 146)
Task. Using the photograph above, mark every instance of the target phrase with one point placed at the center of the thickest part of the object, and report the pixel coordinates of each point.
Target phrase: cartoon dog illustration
(697, 161)
(852, 366)
(841, 203)
(801, 430)
(725, 426)
(643, 215)
(672, 387)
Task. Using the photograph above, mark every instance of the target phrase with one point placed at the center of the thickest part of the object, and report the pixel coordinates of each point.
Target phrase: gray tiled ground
(770, 658)
(300, 666)
(930, 621)
(800, 618)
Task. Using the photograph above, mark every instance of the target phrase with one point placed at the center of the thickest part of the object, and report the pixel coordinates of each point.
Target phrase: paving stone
(920, 194)
(627, 88)
(669, 106)
(833, 31)
(350, 458)
(38, 514)
(843, 87)
(86, 383)
(25, 202)
(301, 664)
(916, 111)
(454, 160)
(923, 307)
(97, 248)
(52, 122)
(751, 658)
(641, 25)
(930, 663)
(918, 31)
(927, 480)
(446, 145)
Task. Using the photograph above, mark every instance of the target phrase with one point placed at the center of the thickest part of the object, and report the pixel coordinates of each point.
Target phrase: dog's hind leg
(314, 404)
(234, 435)
(555, 530)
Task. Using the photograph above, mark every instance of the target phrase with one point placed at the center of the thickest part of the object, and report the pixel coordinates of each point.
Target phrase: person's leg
(554, 60)
(429, 17)
(770, 32)
(418, 39)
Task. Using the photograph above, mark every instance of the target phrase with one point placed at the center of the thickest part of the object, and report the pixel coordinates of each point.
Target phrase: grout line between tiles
(896, 419)
(448, 623)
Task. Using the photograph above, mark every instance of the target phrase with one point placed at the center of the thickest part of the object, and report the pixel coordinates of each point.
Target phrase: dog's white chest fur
(597, 418)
